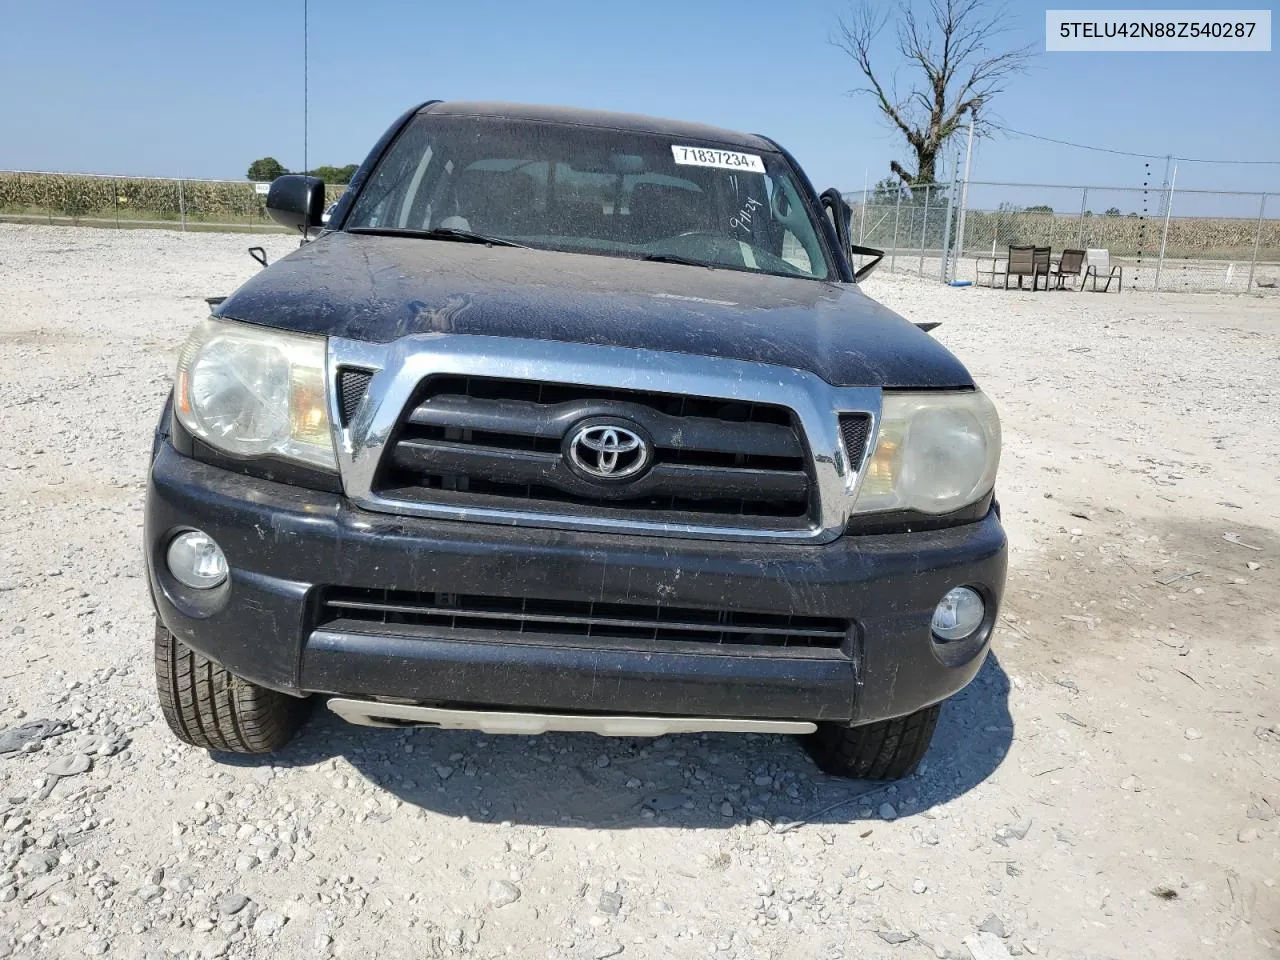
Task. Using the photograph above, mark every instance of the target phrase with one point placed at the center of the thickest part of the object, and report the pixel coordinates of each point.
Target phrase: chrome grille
(490, 441)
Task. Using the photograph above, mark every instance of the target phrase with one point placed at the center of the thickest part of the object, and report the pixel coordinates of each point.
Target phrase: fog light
(959, 614)
(196, 561)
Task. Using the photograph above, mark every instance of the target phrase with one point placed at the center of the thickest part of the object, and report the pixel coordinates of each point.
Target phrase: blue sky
(199, 89)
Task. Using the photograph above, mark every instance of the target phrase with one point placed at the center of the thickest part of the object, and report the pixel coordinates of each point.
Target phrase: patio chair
(1070, 264)
(1043, 259)
(1098, 267)
(998, 268)
(1028, 261)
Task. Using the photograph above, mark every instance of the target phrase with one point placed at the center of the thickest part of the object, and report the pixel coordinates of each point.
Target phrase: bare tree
(955, 66)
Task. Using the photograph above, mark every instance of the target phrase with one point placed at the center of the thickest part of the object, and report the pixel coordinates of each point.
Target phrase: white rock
(987, 946)
(69, 766)
(214, 949)
(1191, 733)
(887, 812)
(918, 886)
(268, 922)
(503, 893)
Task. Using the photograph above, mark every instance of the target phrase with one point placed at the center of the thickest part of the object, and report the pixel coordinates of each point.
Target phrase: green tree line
(267, 169)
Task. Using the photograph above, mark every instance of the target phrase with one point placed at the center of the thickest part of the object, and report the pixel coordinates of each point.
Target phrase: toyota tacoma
(575, 421)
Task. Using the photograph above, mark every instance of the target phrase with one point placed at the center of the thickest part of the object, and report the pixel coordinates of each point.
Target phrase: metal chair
(1042, 257)
(998, 268)
(1028, 261)
(1099, 267)
(1070, 264)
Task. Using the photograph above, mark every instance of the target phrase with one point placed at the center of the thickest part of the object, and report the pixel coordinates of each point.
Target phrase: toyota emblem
(608, 450)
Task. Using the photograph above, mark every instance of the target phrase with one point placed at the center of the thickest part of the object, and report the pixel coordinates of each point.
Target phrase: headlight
(252, 391)
(935, 453)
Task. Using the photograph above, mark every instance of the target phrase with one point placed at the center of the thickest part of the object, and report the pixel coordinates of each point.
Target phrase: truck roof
(596, 118)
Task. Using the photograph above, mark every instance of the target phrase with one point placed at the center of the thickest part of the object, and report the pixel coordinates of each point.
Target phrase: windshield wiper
(676, 258)
(438, 233)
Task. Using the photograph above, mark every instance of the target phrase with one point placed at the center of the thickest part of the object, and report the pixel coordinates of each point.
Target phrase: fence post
(115, 201)
(1084, 200)
(946, 227)
(1164, 237)
(182, 207)
(897, 210)
(924, 228)
(862, 218)
(1257, 238)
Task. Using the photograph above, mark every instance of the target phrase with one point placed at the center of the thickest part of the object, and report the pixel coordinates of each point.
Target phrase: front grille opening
(496, 443)
(854, 430)
(676, 405)
(515, 617)
(353, 384)
(535, 494)
(481, 438)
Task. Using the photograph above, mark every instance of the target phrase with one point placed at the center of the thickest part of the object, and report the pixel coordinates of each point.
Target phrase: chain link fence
(1165, 239)
(123, 202)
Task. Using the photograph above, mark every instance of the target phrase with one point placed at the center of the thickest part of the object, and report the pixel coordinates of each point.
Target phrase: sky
(200, 89)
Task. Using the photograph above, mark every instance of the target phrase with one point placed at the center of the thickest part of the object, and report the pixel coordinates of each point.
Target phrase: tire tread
(885, 750)
(210, 707)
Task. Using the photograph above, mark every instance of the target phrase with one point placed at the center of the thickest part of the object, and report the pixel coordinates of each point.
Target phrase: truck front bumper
(287, 547)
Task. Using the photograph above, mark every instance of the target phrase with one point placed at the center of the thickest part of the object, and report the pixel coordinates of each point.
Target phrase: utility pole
(862, 217)
(964, 197)
(1164, 185)
(305, 168)
(1168, 212)
(945, 253)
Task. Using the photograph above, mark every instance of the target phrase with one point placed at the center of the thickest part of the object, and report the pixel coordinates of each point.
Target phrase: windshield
(594, 190)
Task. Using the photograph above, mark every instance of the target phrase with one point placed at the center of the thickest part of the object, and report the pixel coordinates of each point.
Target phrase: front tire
(206, 706)
(885, 750)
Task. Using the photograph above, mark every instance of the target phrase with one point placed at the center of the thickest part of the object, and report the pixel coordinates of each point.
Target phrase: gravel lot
(1110, 787)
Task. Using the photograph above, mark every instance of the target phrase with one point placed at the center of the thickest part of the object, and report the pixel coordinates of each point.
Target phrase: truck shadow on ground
(693, 781)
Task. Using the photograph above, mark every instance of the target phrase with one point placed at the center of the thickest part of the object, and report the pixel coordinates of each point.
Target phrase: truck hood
(379, 288)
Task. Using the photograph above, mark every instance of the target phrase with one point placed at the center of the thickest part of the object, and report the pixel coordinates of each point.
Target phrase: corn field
(136, 201)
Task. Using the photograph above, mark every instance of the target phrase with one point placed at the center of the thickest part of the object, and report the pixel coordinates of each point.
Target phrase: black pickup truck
(573, 421)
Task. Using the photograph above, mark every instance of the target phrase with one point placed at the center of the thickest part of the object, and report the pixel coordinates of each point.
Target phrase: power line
(1128, 153)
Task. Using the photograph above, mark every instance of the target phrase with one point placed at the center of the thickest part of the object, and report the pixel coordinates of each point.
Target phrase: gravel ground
(1108, 788)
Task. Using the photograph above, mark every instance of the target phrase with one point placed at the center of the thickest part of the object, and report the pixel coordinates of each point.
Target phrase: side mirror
(297, 201)
(841, 214)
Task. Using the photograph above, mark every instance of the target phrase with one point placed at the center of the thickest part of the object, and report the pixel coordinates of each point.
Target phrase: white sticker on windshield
(725, 159)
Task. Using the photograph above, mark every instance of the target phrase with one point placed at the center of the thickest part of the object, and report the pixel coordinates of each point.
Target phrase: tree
(266, 170)
(1112, 212)
(1039, 208)
(335, 174)
(958, 71)
(887, 192)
